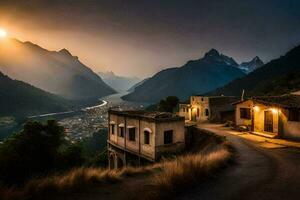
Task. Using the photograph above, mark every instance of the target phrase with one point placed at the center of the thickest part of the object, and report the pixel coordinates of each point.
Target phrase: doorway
(268, 123)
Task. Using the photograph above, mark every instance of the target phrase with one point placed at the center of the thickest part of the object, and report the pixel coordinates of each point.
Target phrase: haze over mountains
(21, 99)
(119, 83)
(195, 77)
(279, 76)
(59, 73)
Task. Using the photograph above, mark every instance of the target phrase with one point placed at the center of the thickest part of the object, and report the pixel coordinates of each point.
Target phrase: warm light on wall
(256, 108)
(274, 110)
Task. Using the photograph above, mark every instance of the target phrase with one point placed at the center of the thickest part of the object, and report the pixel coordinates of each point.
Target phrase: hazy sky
(140, 37)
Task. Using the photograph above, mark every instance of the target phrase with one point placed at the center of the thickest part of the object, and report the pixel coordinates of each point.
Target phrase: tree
(169, 104)
(31, 152)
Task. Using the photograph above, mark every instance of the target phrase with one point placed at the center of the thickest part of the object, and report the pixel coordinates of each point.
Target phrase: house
(204, 108)
(136, 137)
(274, 116)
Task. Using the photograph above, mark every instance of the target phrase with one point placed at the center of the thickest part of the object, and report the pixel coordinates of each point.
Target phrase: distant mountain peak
(214, 56)
(252, 65)
(212, 53)
(65, 52)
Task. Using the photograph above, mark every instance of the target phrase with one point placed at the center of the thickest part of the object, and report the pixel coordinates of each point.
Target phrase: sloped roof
(285, 101)
(154, 115)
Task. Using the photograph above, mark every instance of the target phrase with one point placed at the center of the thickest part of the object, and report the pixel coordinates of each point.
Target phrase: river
(88, 116)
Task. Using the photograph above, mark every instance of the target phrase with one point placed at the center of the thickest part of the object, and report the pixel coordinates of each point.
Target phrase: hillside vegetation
(20, 99)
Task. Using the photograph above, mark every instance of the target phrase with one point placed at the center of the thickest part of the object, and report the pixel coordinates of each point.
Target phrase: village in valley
(153, 100)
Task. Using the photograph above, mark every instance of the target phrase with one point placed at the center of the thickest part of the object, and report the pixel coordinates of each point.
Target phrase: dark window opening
(202, 99)
(112, 129)
(121, 132)
(294, 115)
(206, 112)
(198, 112)
(146, 137)
(168, 137)
(131, 133)
(245, 113)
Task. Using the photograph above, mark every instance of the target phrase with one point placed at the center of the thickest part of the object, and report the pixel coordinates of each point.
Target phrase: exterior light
(274, 110)
(256, 108)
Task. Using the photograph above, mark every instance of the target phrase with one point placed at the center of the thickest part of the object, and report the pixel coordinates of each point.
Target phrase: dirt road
(261, 173)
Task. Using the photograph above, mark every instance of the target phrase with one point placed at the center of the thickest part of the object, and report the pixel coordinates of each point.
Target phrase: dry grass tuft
(188, 170)
(77, 179)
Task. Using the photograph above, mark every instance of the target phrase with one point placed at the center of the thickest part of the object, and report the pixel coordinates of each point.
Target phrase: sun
(3, 33)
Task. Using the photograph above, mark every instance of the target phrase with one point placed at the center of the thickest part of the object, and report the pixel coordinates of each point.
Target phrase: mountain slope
(56, 72)
(119, 83)
(132, 88)
(21, 99)
(195, 77)
(252, 65)
(277, 77)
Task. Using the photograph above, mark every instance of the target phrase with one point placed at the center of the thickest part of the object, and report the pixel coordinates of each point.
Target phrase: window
(198, 112)
(202, 99)
(121, 132)
(206, 112)
(112, 129)
(131, 133)
(168, 137)
(294, 115)
(146, 137)
(245, 113)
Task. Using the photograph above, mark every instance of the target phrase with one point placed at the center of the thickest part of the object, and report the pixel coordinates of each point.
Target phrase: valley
(80, 123)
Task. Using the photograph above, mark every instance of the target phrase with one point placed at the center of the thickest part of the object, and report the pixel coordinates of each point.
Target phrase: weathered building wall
(259, 118)
(240, 121)
(140, 126)
(198, 106)
(148, 149)
(178, 136)
(221, 109)
(291, 129)
(185, 111)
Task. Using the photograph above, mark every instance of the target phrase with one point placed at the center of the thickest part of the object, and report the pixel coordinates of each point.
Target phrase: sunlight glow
(3, 33)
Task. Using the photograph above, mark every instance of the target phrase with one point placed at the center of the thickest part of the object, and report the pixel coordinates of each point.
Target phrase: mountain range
(59, 73)
(195, 77)
(20, 99)
(279, 76)
(252, 65)
(119, 83)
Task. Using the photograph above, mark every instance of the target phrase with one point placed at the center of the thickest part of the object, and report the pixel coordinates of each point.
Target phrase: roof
(152, 115)
(285, 101)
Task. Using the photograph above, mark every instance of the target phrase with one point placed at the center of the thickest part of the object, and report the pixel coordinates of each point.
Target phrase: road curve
(260, 173)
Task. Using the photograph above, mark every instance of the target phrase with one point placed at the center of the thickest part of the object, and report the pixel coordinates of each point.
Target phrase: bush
(38, 150)
(30, 153)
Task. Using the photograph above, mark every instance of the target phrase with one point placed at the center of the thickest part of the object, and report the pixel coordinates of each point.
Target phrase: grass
(189, 170)
(168, 176)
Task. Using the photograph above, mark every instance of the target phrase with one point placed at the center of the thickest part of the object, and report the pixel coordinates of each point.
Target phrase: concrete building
(136, 137)
(275, 116)
(204, 108)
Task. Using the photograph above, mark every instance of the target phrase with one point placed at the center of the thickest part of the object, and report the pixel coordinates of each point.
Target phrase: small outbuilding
(218, 109)
(274, 116)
